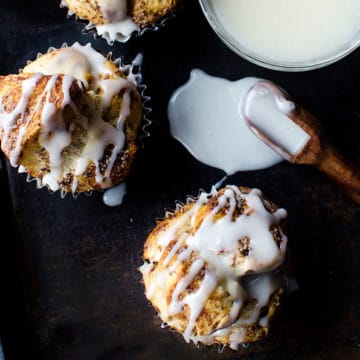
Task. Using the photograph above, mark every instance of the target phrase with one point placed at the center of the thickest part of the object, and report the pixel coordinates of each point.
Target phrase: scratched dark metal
(69, 278)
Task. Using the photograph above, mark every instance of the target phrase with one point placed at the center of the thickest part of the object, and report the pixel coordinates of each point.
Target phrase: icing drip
(102, 82)
(115, 195)
(214, 250)
(117, 24)
(120, 31)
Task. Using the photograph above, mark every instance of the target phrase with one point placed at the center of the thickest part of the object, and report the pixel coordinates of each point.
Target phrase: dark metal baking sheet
(68, 268)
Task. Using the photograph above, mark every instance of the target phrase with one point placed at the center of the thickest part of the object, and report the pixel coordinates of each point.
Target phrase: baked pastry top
(71, 119)
(118, 19)
(211, 268)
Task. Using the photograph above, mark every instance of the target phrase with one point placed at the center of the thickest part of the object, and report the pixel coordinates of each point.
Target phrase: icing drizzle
(214, 249)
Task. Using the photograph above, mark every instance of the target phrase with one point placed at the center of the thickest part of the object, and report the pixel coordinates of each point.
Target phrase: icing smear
(204, 116)
(209, 116)
(102, 82)
(214, 250)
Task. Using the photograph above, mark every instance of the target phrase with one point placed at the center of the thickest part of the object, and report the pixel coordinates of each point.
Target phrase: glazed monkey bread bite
(119, 19)
(212, 268)
(71, 120)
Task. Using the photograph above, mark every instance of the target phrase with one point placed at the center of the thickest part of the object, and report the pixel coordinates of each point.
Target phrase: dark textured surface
(70, 285)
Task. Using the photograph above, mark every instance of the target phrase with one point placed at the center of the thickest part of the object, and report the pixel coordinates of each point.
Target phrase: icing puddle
(204, 116)
(209, 116)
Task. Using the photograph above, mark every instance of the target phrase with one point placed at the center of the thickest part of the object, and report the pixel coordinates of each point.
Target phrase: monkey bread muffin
(71, 120)
(119, 19)
(212, 268)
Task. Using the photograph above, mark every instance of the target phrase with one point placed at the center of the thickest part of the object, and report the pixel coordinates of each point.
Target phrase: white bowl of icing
(287, 35)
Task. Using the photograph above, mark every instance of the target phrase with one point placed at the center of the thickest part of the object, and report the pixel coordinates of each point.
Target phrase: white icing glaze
(115, 195)
(204, 116)
(216, 245)
(120, 31)
(100, 80)
(21, 169)
(290, 31)
(267, 111)
(54, 136)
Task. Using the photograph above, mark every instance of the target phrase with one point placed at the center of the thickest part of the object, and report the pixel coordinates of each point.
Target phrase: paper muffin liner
(133, 72)
(89, 27)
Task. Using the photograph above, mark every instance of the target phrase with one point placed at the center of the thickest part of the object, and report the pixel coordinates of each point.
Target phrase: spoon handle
(342, 171)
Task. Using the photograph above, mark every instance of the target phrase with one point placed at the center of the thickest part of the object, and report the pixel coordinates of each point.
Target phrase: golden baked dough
(146, 12)
(71, 118)
(205, 271)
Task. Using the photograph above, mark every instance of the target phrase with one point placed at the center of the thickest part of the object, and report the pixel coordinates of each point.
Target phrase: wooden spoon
(317, 151)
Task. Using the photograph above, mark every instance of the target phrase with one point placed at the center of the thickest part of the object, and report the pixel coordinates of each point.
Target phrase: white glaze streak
(54, 135)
